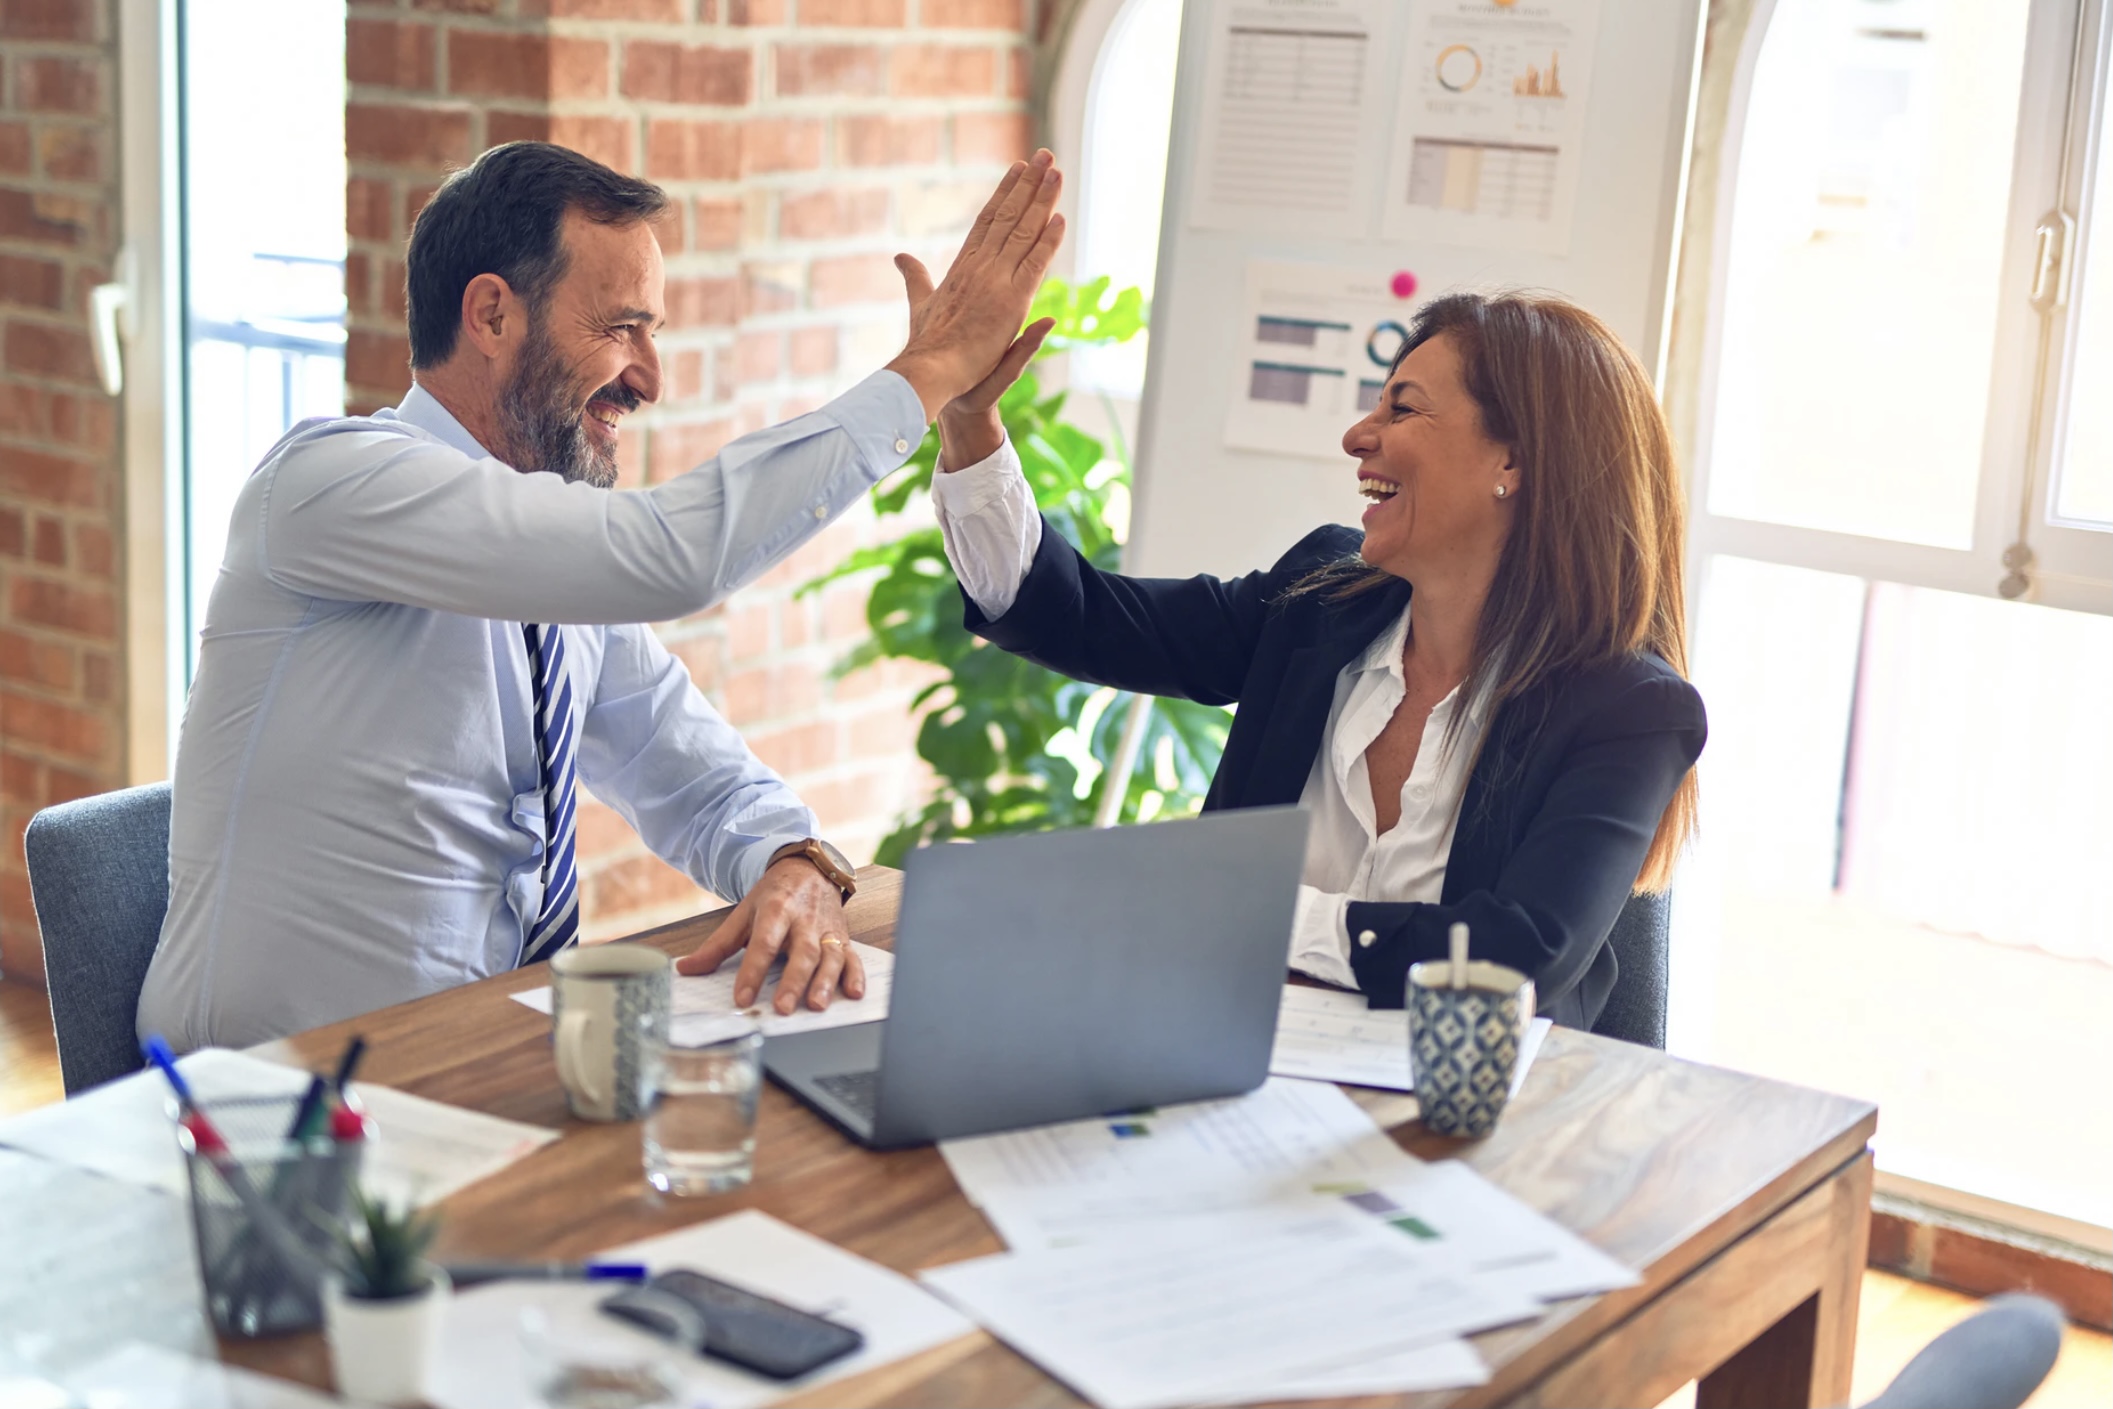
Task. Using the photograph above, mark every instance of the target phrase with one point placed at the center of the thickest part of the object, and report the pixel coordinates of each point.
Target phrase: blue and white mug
(609, 1018)
(1464, 1042)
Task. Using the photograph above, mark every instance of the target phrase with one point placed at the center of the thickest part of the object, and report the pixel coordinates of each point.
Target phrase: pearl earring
(1501, 491)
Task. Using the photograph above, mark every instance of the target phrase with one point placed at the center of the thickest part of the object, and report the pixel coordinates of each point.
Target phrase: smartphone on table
(739, 1326)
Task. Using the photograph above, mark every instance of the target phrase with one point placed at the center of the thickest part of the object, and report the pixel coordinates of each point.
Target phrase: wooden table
(1745, 1203)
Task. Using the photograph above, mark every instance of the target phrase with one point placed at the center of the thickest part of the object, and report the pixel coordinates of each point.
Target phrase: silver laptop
(1066, 974)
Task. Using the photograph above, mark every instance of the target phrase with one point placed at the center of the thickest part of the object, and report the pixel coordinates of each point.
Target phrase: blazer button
(1367, 939)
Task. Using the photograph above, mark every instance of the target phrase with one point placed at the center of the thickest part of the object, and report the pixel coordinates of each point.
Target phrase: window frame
(2071, 567)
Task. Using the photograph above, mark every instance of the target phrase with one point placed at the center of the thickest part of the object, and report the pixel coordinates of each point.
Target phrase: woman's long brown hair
(1594, 569)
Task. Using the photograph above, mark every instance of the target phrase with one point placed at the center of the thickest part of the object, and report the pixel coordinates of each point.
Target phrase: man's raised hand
(961, 329)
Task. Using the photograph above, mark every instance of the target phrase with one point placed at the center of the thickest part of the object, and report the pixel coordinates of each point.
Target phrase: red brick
(680, 448)
(664, 11)
(58, 85)
(526, 65)
(995, 137)
(31, 283)
(853, 278)
(24, 660)
(49, 350)
(838, 802)
(701, 656)
(844, 614)
(602, 831)
(422, 137)
(367, 205)
(740, 13)
(1019, 73)
(804, 748)
(94, 550)
(41, 601)
(773, 692)
(718, 225)
(818, 70)
(64, 784)
(415, 198)
(942, 71)
(14, 148)
(832, 214)
(781, 144)
(21, 780)
(884, 733)
(381, 361)
(678, 73)
(14, 529)
(89, 421)
(693, 151)
(48, 544)
(684, 370)
(41, 218)
(813, 351)
(770, 287)
(759, 357)
(49, 19)
(388, 55)
(70, 153)
(703, 303)
(21, 946)
(359, 283)
(973, 14)
(868, 13)
(751, 629)
(606, 139)
(879, 140)
(459, 7)
(638, 883)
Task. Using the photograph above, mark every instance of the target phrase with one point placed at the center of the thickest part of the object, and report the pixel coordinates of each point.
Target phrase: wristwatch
(833, 865)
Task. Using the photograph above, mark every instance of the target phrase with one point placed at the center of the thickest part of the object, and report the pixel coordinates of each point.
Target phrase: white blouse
(987, 516)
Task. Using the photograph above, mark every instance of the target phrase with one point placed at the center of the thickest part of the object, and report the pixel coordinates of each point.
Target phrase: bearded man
(424, 632)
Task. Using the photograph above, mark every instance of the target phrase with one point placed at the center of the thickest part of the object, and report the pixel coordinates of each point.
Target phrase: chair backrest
(1642, 936)
(1994, 1359)
(99, 872)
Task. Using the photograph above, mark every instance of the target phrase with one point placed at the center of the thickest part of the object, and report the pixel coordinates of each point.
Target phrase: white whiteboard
(1201, 505)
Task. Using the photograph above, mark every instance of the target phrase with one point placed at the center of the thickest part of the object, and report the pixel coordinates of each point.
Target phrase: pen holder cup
(268, 1213)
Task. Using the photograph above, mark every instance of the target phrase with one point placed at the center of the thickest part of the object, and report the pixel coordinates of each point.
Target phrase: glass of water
(701, 1132)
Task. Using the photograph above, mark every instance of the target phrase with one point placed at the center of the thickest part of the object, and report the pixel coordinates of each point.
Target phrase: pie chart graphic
(1459, 68)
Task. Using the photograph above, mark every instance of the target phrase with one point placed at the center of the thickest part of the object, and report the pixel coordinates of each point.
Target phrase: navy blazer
(1559, 810)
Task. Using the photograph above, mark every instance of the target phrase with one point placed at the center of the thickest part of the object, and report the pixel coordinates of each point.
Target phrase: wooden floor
(1898, 1316)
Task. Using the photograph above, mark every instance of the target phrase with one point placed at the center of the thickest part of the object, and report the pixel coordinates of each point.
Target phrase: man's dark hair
(501, 215)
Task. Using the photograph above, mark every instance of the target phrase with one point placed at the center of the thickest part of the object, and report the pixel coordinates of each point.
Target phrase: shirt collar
(1383, 657)
(422, 409)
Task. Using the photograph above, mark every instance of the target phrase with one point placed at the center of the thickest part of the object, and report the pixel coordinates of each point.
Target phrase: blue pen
(470, 1274)
(158, 1053)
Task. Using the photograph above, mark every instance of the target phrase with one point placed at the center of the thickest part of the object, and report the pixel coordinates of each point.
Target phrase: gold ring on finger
(837, 942)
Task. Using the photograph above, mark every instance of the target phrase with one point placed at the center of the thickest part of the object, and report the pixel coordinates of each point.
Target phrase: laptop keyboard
(859, 1090)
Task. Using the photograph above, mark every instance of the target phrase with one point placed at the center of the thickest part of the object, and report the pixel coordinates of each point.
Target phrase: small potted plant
(382, 1311)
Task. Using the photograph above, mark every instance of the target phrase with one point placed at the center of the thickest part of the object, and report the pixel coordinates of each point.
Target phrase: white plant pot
(383, 1351)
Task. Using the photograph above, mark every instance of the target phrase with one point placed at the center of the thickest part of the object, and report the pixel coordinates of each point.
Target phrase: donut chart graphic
(1459, 68)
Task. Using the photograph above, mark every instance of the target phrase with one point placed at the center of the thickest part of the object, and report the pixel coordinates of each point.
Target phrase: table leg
(1806, 1358)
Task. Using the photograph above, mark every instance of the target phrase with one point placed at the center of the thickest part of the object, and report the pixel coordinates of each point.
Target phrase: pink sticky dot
(1403, 284)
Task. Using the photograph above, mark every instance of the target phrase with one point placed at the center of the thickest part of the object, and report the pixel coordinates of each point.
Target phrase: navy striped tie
(556, 745)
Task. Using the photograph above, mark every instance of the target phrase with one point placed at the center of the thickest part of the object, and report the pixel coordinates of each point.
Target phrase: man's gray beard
(543, 430)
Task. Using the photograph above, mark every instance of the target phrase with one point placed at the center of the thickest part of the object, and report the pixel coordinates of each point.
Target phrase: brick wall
(805, 141)
(61, 724)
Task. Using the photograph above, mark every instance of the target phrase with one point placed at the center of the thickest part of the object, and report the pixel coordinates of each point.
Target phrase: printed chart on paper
(1488, 131)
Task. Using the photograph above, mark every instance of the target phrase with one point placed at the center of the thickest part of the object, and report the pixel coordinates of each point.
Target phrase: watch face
(836, 858)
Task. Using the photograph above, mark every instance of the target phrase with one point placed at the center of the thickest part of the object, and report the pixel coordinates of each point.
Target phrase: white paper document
(423, 1150)
(702, 1006)
(487, 1364)
(1316, 342)
(1446, 1364)
(141, 1376)
(1292, 90)
(1208, 1308)
(1490, 123)
(1324, 1034)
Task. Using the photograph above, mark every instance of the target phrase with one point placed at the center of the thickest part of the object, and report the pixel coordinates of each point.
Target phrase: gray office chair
(1642, 935)
(99, 873)
(1994, 1359)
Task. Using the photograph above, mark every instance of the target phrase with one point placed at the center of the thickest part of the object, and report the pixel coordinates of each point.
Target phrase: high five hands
(965, 335)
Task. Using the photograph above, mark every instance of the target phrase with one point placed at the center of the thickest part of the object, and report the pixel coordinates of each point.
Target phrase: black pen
(470, 1274)
(347, 1064)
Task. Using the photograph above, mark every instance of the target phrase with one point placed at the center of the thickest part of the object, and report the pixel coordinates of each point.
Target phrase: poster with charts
(1316, 342)
(1490, 121)
(1293, 98)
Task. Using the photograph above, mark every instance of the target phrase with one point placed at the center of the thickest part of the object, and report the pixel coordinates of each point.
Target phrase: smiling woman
(1481, 698)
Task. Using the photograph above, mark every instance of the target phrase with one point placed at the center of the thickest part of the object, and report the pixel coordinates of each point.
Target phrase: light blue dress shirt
(358, 818)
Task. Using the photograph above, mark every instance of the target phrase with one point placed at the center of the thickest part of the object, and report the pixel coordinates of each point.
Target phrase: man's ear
(491, 315)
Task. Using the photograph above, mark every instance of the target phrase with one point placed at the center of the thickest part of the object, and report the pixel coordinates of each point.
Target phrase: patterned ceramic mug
(1464, 1042)
(609, 1017)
